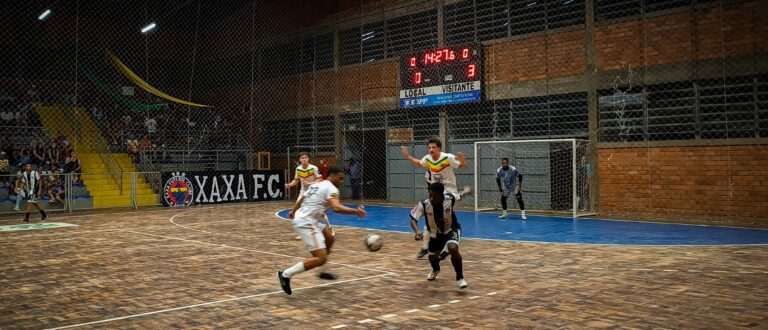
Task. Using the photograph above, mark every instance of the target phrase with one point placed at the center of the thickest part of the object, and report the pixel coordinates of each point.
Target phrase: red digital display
(465, 53)
(439, 56)
(417, 78)
(471, 70)
(412, 62)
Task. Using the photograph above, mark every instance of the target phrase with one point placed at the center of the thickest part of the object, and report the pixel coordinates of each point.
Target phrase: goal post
(556, 175)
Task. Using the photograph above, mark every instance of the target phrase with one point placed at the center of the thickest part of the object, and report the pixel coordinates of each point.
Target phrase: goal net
(556, 175)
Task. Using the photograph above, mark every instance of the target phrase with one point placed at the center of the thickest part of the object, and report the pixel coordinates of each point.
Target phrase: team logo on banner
(178, 191)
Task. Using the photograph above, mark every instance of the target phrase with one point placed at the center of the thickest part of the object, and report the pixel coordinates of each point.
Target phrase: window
(459, 22)
(719, 108)
(610, 9)
(373, 38)
(411, 33)
(349, 46)
(491, 19)
(527, 16)
(562, 13)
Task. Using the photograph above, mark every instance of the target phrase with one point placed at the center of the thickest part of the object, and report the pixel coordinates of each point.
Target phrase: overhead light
(45, 14)
(149, 27)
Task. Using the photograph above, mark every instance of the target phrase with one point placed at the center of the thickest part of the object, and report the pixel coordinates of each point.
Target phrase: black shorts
(438, 243)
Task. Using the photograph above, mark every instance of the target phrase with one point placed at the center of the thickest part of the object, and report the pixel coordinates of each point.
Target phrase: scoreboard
(446, 75)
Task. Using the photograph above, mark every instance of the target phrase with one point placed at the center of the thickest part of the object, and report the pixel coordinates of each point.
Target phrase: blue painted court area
(560, 229)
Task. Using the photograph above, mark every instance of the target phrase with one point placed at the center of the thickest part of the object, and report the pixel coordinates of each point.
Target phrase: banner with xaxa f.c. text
(188, 188)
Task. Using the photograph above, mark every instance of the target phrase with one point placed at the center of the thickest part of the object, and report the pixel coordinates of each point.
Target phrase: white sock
(293, 270)
(504, 212)
(522, 212)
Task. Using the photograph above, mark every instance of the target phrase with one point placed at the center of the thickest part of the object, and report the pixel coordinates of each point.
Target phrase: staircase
(101, 179)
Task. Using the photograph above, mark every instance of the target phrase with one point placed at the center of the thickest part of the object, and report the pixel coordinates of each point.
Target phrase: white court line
(339, 326)
(491, 293)
(670, 270)
(365, 321)
(411, 311)
(387, 316)
(255, 251)
(474, 297)
(214, 302)
(454, 301)
(434, 306)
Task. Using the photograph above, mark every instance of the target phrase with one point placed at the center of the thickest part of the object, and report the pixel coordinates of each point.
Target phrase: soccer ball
(373, 242)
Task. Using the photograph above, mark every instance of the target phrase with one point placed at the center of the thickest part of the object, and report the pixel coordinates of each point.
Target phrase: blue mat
(560, 229)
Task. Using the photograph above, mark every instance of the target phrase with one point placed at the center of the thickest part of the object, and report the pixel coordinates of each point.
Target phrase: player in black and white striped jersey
(443, 226)
(31, 185)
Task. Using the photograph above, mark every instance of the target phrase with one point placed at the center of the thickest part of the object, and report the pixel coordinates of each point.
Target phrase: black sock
(42, 212)
(26, 217)
(435, 262)
(520, 202)
(457, 267)
(504, 203)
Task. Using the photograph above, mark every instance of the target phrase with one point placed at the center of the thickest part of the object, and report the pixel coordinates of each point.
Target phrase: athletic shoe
(16, 209)
(327, 276)
(422, 253)
(44, 217)
(298, 238)
(26, 220)
(432, 275)
(284, 282)
(443, 255)
(523, 217)
(503, 216)
(462, 283)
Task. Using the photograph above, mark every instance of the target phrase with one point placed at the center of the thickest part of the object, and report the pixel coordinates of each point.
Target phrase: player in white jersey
(308, 218)
(31, 186)
(444, 229)
(306, 174)
(440, 165)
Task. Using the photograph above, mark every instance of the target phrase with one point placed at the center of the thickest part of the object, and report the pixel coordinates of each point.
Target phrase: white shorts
(312, 235)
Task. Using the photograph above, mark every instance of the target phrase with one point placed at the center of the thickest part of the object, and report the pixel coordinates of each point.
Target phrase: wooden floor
(214, 267)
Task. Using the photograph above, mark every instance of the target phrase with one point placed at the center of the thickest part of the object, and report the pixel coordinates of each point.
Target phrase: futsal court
(214, 267)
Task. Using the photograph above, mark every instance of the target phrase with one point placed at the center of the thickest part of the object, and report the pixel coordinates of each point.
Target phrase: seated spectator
(72, 166)
(25, 156)
(56, 190)
(59, 138)
(38, 155)
(5, 173)
(133, 150)
(151, 125)
(7, 117)
(52, 155)
(9, 149)
(145, 143)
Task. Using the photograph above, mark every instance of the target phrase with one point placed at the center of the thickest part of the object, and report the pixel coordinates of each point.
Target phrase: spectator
(355, 171)
(5, 178)
(133, 150)
(145, 143)
(15, 192)
(38, 154)
(9, 149)
(25, 156)
(115, 133)
(23, 119)
(7, 117)
(59, 140)
(151, 125)
(72, 166)
(52, 154)
(56, 190)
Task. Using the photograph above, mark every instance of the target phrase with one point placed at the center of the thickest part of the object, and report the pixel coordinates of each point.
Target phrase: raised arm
(408, 157)
(337, 207)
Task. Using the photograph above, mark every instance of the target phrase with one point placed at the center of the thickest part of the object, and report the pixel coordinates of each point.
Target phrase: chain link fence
(199, 86)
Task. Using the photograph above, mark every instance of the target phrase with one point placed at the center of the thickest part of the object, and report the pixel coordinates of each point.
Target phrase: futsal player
(444, 229)
(440, 165)
(31, 186)
(308, 219)
(509, 180)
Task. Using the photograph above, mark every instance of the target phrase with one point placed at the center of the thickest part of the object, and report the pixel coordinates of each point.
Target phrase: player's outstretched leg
(453, 248)
(434, 260)
(319, 258)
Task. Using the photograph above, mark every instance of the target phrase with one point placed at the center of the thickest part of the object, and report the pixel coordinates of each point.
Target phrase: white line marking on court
(454, 301)
(643, 269)
(388, 316)
(745, 272)
(719, 271)
(598, 268)
(252, 250)
(669, 270)
(474, 297)
(491, 293)
(339, 326)
(411, 311)
(216, 302)
(694, 271)
(365, 321)
(434, 306)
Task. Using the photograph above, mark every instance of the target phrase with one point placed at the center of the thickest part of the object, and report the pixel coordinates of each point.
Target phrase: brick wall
(708, 33)
(535, 58)
(685, 182)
